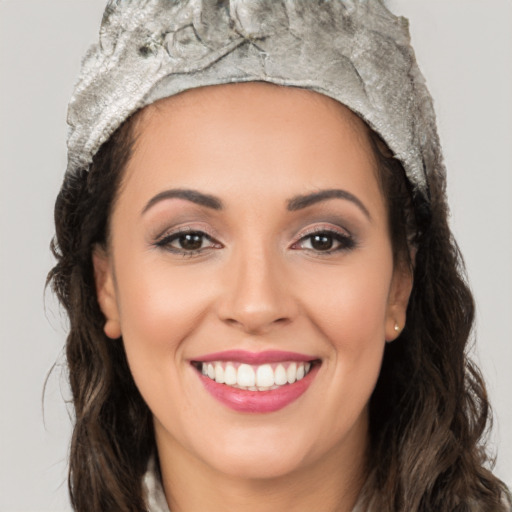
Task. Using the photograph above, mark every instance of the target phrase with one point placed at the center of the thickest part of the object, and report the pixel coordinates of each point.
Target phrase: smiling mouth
(252, 377)
(256, 382)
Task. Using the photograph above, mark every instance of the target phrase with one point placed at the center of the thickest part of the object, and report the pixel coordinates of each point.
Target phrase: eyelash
(345, 242)
(165, 242)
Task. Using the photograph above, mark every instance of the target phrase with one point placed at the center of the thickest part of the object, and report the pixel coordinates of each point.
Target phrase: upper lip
(244, 356)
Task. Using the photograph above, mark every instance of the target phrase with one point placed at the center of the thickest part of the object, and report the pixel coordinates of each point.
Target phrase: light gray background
(465, 50)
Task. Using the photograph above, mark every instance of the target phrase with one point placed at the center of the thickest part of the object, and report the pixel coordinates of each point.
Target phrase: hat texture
(354, 51)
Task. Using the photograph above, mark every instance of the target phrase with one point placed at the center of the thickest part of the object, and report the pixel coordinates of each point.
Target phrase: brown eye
(187, 243)
(190, 241)
(325, 242)
(322, 242)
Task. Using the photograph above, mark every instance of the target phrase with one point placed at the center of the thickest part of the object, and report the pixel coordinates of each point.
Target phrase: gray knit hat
(354, 51)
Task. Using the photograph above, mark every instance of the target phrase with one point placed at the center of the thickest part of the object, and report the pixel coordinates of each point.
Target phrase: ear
(400, 291)
(106, 291)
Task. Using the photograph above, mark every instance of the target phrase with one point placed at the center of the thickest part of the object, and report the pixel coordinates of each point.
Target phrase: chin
(258, 462)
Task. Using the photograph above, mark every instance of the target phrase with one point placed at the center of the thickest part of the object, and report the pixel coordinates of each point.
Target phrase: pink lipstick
(256, 382)
(243, 356)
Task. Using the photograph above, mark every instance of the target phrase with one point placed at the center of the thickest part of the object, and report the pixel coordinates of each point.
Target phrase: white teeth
(245, 376)
(291, 373)
(280, 375)
(219, 373)
(255, 377)
(265, 376)
(229, 375)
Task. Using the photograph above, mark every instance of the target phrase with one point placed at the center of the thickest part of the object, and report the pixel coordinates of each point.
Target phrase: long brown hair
(429, 411)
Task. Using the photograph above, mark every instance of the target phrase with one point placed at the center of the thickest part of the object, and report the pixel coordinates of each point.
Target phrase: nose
(256, 296)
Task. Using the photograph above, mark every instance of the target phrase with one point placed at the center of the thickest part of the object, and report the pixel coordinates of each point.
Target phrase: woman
(267, 307)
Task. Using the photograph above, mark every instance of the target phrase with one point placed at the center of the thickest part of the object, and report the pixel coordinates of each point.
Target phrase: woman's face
(250, 242)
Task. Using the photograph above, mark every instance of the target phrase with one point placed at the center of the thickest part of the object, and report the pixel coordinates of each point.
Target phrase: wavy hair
(429, 412)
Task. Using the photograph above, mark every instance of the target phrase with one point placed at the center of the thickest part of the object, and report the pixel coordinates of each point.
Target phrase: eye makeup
(322, 231)
(321, 240)
(324, 240)
(187, 242)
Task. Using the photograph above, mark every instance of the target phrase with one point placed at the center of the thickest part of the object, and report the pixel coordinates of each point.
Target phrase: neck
(332, 483)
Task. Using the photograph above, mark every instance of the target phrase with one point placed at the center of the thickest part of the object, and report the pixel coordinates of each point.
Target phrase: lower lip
(242, 400)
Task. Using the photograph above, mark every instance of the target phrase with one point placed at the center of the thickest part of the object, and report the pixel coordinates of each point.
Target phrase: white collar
(155, 496)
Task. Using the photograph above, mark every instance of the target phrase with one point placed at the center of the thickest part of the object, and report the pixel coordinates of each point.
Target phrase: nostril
(256, 324)
(281, 321)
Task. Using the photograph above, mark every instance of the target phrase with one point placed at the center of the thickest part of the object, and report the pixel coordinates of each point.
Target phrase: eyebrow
(300, 202)
(190, 195)
(294, 204)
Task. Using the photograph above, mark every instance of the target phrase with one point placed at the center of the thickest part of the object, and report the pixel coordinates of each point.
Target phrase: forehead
(257, 136)
(230, 98)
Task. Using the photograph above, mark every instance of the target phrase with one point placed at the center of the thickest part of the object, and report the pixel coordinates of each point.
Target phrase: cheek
(157, 301)
(159, 307)
(349, 310)
(350, 304)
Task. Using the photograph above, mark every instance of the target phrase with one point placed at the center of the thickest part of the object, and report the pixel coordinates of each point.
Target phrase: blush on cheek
(353, 317)
(164, 305)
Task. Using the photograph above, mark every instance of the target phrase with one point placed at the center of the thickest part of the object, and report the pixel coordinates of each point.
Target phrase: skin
(257, 283)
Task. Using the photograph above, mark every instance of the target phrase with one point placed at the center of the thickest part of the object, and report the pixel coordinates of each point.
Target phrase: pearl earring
(397, 327)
